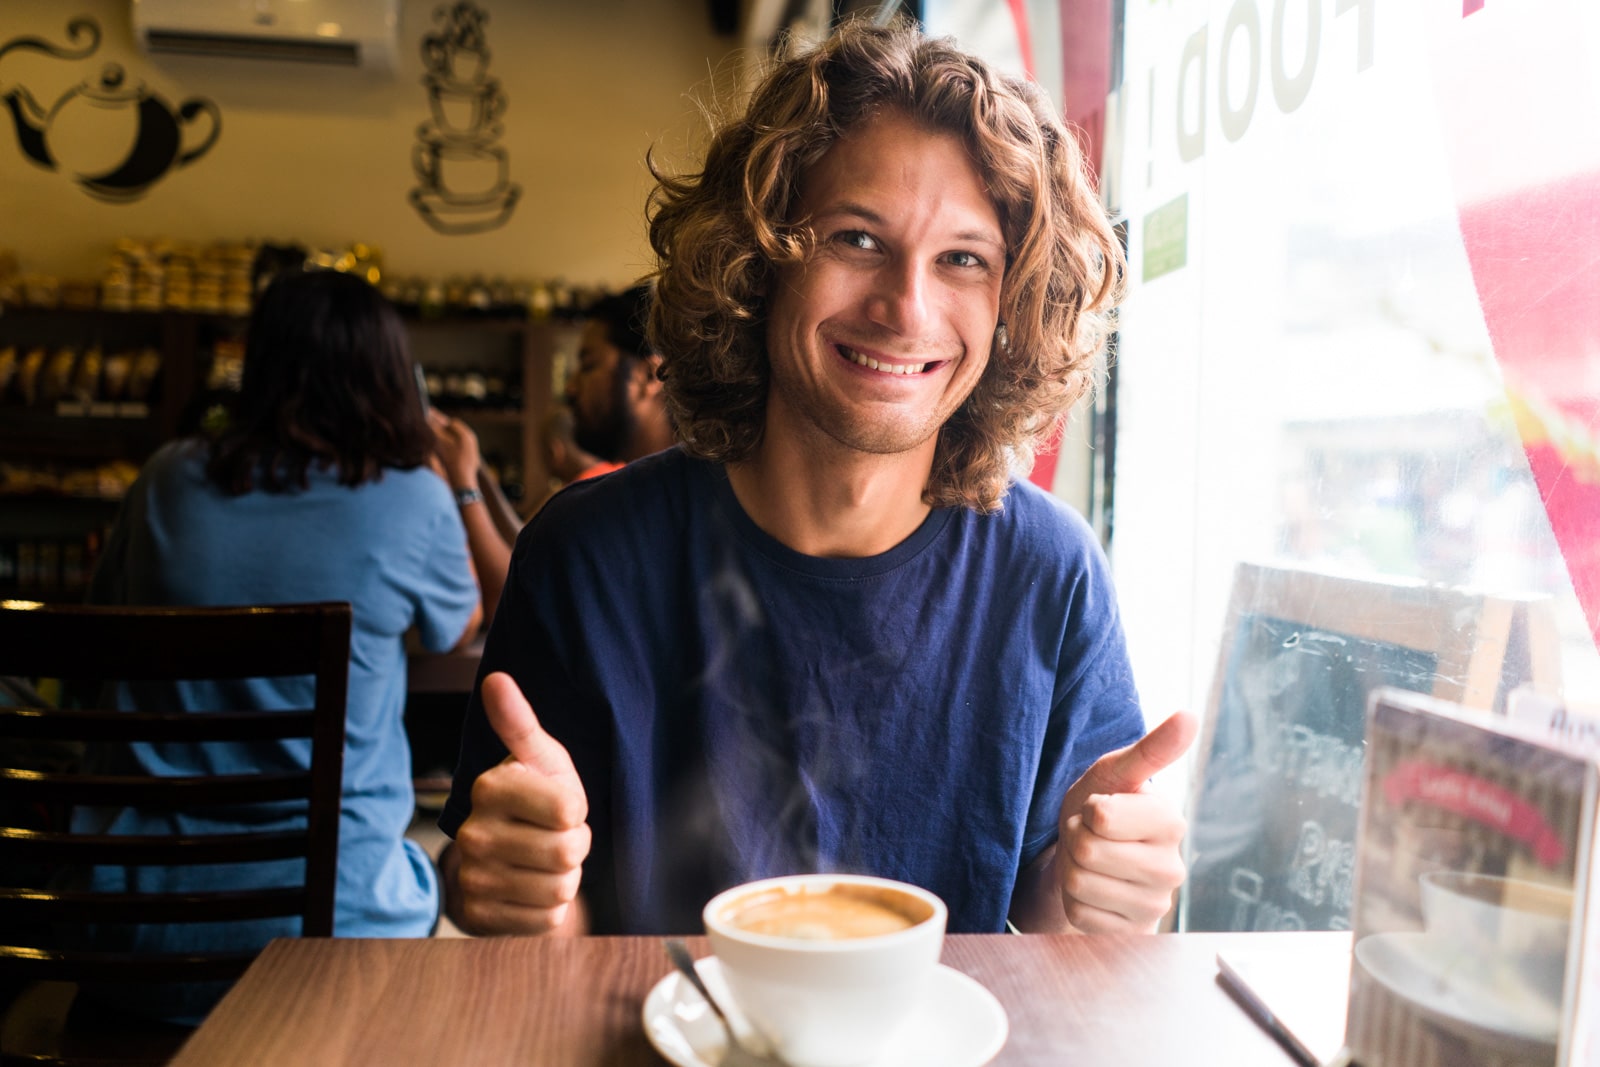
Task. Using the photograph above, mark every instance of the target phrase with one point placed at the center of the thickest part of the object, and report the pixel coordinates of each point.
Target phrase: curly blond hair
(721, 234)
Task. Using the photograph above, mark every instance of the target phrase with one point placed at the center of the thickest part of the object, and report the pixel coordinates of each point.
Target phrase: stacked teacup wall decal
(463, 184)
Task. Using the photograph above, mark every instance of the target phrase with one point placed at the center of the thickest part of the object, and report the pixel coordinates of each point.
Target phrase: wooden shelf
(43, 437)
(471, 323)
(525, 346)
(486, 416)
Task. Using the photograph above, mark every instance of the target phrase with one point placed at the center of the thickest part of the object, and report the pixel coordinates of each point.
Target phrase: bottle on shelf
(474, 388)
(494, 389)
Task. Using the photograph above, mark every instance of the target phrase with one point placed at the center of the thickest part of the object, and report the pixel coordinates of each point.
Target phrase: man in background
(618, 406)
(613, 412)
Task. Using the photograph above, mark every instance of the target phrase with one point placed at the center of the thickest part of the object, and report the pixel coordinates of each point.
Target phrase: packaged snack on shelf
(85, 386)
(56, 376)
(114, 377)
(141, 379)
(28, 376)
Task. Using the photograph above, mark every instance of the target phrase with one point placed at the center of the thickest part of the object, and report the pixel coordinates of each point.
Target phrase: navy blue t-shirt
(738, 710)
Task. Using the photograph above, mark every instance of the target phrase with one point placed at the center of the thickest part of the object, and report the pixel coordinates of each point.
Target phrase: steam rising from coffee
(766, 763)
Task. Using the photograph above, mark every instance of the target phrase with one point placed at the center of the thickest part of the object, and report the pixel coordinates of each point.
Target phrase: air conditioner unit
(346, 33)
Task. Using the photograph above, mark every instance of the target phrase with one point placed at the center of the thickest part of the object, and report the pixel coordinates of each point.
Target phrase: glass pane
(1359, 396)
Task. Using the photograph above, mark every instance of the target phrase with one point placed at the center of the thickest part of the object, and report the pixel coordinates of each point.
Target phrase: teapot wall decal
(114, 140)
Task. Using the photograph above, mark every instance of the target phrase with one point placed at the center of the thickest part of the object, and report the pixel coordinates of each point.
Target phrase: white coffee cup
(826, 967)
(1517, 931)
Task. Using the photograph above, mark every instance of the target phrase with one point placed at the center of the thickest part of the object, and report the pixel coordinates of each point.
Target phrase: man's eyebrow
(866, 214)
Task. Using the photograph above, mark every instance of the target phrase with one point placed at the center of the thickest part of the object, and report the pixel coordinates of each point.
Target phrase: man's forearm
(491, 556)
(506, 519)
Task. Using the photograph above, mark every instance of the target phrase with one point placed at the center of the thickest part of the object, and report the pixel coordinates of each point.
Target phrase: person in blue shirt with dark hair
(834, 630)
(319, 489)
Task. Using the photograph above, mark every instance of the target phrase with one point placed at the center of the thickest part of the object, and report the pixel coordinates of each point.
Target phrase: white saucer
(1428, 974)
(960, 1024)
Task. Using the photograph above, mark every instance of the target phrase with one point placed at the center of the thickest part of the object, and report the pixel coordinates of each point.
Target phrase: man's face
(879, 338)
(598, 393)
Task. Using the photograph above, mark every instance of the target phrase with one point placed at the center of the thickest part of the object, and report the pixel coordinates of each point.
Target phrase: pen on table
(1264, 1016)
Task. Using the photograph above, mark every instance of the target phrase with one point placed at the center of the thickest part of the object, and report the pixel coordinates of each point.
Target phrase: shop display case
(87, 394)
(499, 374)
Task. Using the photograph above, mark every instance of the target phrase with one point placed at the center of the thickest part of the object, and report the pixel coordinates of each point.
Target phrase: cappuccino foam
(832, 914)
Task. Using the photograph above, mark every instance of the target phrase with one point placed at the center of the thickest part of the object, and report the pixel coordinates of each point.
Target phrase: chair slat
(94, 644)
(143, 792)
(38, 846)
(199, 727)
(68, 641)
(37, 905)
(19, 962)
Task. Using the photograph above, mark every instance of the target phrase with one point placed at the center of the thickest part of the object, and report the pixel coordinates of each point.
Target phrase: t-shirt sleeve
(536, 639)
(444, 592)
(1096, 707)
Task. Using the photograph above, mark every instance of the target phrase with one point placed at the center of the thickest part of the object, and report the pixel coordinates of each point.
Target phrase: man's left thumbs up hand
(1119, 858)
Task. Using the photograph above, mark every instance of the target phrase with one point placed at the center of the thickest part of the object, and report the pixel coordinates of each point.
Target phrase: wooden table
(443, 672)
(1082, 1001)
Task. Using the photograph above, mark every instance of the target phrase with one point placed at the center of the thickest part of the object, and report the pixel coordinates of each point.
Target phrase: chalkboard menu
(1273, 817)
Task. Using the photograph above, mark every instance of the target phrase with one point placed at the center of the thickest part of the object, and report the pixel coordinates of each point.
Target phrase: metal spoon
(736, 1055)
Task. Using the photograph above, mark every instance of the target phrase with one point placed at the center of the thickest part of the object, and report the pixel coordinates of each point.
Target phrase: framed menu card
(1275, 806)
(1476, 908)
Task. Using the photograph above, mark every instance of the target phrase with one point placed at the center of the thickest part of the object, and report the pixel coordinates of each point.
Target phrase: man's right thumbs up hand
(516, 861)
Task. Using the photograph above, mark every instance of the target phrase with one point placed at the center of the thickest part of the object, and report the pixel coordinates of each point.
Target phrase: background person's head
(614, 393)
(327, 381)
(722, 235)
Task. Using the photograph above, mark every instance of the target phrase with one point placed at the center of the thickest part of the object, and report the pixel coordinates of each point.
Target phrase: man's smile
(883, 366)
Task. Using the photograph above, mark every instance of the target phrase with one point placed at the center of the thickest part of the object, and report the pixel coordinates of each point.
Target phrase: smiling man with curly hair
(833, 629)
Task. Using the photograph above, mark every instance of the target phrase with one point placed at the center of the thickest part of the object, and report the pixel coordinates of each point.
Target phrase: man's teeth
(888, 368)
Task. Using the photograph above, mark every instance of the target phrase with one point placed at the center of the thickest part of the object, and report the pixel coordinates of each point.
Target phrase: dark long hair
(327, 380)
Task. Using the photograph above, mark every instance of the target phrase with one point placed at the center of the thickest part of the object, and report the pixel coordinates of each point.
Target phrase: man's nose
(901, 296)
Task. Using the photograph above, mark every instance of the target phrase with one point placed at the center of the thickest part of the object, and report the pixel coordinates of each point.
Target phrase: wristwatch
(470, 495)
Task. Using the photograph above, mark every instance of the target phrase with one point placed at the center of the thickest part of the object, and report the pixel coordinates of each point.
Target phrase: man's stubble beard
(608, 437)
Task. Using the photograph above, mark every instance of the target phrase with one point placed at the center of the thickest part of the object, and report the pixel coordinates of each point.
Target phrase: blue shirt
(395, 549)
(737, 709)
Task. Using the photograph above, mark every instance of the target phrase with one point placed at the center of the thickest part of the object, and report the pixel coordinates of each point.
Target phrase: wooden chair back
(138, 644)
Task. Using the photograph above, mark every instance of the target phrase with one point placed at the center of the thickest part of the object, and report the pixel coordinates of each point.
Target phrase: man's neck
(832, 502)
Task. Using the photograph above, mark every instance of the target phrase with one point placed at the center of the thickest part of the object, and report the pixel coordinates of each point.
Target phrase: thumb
(1125, 770)
(518, 728)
